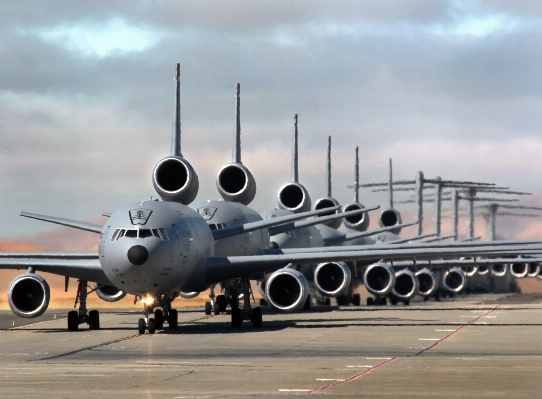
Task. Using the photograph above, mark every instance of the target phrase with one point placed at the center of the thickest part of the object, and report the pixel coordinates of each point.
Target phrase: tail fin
(236, 155)
(295, 170)
(328, 167)
(176, 134)
(356, 177)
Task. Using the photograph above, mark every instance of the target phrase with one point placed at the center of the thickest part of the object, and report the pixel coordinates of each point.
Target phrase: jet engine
(469, 270)
(499, 269)
(406, 285)
(328, 202)
(519, 269)
(534, 269)
(332, 278)
(454, 280)
(188, 295)
(28, 295)
(358, 222)
(287, 290)
(390, 217)
(379, 279)
(235, 183)
(428, 282)
(108, 293)
(174, 179)
(483, 270)
(294, 197)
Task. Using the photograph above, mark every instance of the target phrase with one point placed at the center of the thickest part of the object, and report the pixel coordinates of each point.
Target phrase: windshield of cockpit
(140, 234)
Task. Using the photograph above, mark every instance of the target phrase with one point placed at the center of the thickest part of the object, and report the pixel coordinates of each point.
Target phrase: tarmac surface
(485, 346)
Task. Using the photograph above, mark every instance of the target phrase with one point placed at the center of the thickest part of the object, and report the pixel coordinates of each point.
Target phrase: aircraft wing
(78, 265)
(464, 262)
(95, 228)
(225, 268)
(352, 236)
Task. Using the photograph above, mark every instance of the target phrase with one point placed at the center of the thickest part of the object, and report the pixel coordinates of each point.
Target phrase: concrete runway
(482, 346)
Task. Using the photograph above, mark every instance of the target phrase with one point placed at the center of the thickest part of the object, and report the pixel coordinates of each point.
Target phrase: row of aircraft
(157, 250)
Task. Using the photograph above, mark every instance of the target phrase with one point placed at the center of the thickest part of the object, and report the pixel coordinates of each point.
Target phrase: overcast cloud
(452, 88)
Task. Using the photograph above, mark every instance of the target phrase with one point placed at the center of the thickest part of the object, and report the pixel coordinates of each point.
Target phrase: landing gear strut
(160, 315)
(80, 316)
(247, 312)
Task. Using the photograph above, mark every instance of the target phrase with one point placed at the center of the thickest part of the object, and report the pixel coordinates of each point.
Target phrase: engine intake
(454, 280)
(174, 179)
(108, 293)
(483, 270)
(499, 269)
(390, 217)
(358, 222)
(235, 183)
(294, 197)
(534, 269)
(469, 270)
(519, 269)
(406, 285)
(379, 279)
(332, 278)
(29, 295)
(287, 290)
(428, 282)
(328, 202)
(189, 295)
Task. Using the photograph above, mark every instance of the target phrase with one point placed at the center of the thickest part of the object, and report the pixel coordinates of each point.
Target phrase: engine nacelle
(358, 222)
(483, 269)
(189, 295)
(519, 269)
(235, 183)
(379, 279)
(108, 293)
(469, 270)
(174, 179)
(534, 269)
(294, 197)
(29, 295)
(332, 278)
(328, 202)
(287, 290)
(499, 269)
(390, 217)
(428, 282)
(454, 280)
(406, 285)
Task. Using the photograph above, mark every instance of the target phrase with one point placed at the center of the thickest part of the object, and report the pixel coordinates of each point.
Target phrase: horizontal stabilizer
(95, 228)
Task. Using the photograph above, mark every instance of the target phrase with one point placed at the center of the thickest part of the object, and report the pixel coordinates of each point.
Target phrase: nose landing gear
(160, 315)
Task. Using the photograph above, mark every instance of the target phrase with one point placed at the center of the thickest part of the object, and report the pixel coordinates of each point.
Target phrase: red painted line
(354, 377)
(455, 331)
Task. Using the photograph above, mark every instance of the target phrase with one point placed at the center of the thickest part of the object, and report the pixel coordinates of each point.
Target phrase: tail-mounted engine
(235, 183)
(332, 278)
(174, 179)
(294, 197)
(406, 285)
(328, 202)
(188, 295)
(28, 295)
(519, 269)
(499, 269)
(379, 279)
(454, 280)
(287, 290)
(390, 217)
(358, 222)
(428, 282)
(108, 293)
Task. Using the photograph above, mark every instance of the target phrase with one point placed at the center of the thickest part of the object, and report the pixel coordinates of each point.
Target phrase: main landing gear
(216, 304)
(80, 316)
(248, 313)
(151, 324)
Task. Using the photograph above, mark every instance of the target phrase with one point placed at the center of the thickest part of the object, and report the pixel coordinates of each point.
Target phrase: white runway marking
(378, 358)
(329, 379)
(294, 390)
(429, 339)
(445, 330)
(359, 366)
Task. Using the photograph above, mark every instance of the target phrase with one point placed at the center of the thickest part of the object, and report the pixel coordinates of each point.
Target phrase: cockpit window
(140, 234)
(218, 226)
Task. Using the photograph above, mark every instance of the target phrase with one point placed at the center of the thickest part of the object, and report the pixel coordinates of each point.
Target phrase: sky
(452, 88)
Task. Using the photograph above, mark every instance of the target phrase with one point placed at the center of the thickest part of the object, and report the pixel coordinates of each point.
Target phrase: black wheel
(207, 308)
(257, 317)
(151, 326)
(407, 302)
(370, 301)
(263, 302)
(159, 319)
(425, 298)
(94, 320)
(307, 305)
(234, 302)
(222, 303)
(141, 326)
(236, 318)
(356, 300)
(216, 309)
(383, 301)
(393, 300)
(73, 320)
(327, 301)
(172, 318)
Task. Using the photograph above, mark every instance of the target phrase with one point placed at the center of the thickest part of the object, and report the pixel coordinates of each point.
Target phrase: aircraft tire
(94, 320)
(393, 300)
(222, 303)
(356, 300)
(308, 304)
(172, 318)
(257, 317)
(407, 302)
(208, 308)
(370, 301)
(216, 309)
(383, 301)
(159, 319)
(73, 320)
(151, 326)
(141, 326)
(236, 318)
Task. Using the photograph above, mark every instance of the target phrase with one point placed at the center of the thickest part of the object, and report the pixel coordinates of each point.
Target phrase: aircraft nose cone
(138, 254)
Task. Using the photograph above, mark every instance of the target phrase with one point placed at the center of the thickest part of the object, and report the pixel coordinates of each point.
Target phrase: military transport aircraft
(155, 249)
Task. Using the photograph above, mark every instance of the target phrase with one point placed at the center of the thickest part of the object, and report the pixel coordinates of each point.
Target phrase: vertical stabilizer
(455, 217)
(356, 177)
(438, 205)
(419, 202)
(328, 167)
(470, 223)
(390, 185)
(176, 134)
(236, 155)
(295, 171)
